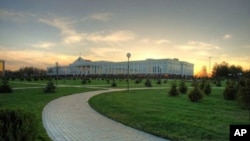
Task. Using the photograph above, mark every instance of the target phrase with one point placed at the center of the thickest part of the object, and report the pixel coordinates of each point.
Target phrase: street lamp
(128, 55)
(56, 72)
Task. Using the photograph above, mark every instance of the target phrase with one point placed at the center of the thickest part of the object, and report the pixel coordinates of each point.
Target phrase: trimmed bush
(230, 91)
(137, 81)
(202, 84)
(195, 94)
(148, 83)
(4, 87)
(207, 88)
(113, 83)
(50, 88)
(218, 83)
(173, 91)
(158, 81)
(243, 95)
(17, 125)
(84, 81)
(182, 87)
(194, 83)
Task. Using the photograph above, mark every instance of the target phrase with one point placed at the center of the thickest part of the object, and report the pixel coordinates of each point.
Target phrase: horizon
(40, 33)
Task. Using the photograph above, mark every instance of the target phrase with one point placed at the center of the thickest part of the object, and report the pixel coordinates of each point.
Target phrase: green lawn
(121, 83)
(34, 100)
(155, 102)
(174, 118)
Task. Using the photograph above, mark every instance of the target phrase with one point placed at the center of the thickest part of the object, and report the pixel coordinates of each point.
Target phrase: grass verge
(34, 100)
(174, 118)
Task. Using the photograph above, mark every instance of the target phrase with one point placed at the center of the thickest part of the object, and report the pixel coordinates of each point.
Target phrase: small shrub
(50, 88)
(107, 81)
(36, 78)
(21, 79)
(243, 95)
(195, 94)
(182, 87)
(173, 90)
(5, 87)
(148, 83)
(230, 91)
(17, 125)
(137, 81)
(158, 81)
(84, 81)
(218, 83)
(202, 84)
(28, 79)
(194, 83)
(207, 88)
(165, 81)
(113, 83)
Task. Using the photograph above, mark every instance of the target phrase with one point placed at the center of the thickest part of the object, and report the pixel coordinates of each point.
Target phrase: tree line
(224, 70)
(219, 70)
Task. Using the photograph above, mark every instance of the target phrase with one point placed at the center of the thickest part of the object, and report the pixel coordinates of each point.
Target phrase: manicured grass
(34, 100)
(174, 118)
(121, 83)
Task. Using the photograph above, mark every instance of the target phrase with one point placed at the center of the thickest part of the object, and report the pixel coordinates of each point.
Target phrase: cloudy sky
(40, 33)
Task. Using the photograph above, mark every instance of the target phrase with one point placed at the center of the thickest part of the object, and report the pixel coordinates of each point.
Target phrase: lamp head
(128, 55)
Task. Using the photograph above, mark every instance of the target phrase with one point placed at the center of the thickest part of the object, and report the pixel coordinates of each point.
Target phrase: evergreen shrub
(17, 125)
(5, 87)
(243, 95)
(84, 81)
(230, 91)
(148, 83)
(50, 88)
(207, 88)
(158, 81)
(182, 87)
(195, 94)
(173, 90)
(113, 84)
(137, 81)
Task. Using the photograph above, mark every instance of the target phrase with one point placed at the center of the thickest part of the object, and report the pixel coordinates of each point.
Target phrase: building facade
(81, 67)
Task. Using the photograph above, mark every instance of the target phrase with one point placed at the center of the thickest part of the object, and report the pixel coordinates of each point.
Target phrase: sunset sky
(40, 33)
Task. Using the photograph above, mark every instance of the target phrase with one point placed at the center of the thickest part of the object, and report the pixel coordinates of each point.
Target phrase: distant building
(81, 67)
(2, 68)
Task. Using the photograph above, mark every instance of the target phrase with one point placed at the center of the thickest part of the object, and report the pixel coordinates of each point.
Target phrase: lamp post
(56, 72)
(128, 55)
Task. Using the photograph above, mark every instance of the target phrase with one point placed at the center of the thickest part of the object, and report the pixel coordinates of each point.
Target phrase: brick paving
(70, 118)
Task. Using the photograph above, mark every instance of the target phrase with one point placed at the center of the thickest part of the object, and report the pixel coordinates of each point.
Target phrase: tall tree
(225, 70)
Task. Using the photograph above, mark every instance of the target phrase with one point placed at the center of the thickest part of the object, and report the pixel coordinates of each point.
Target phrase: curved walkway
(70, 118)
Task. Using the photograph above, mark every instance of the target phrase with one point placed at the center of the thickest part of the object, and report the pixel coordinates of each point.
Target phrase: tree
(4, 87)
(195, 94)
(220, 70)
(148, 83)
(173, 91)
(182, 87)
(225, 70)
(17, 125)
(207, 89)
(50, 88)
(230, 90)
(243, 95)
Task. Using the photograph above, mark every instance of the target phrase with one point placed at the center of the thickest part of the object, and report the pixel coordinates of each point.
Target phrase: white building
(149, 66)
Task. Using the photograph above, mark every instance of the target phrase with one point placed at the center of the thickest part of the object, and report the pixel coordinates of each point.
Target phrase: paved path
(70, 118)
